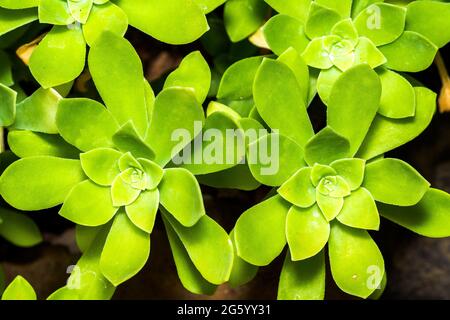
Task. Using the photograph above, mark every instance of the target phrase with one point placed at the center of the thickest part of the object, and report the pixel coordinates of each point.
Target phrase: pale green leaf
(302, 280)
(360, 211)
(307, 232)
(356, 262)
(60, 56)
(181, 196)
(260, 231)
(126, 250)
(88, 204)
(393, 181)
(40, 182)
(85, 135)
(117, 73)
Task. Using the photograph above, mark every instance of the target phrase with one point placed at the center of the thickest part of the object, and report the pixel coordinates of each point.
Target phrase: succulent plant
(107, 167)
(80, 22)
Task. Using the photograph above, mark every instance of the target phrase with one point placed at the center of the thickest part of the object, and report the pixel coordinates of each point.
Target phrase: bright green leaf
(260, 231)
(393, 181)
(356, 262)
(181, 196)
(360, 211)
(88, 204)
(307, 232)
(40, 182)
(126, 250)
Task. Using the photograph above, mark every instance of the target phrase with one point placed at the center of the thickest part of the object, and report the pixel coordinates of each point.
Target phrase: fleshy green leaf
(181, 196)
(38, 112)
(122, 192)
(117, 73)
(238, 177)
(274, 158)
(393, 181)
(360, 211)
(346, 30)
(430, 19)
(325, 82)
(154, 173)
(189, 276)
(59, 57)
(55, 12)
(85, 236)
(88, 204)
(284, 108)
(242, 271)
(80, 9)
(295, 62)
(218, 150)
(326, 147)
(316, 53)
(237, 81)
(398, 99)
(335, 187)
(356, 262)
(107, 17)
(382, 23)
(282, 32)
(126, 250)
(330, 206)
(8, 99)
(386, 134)
(29, 144)
(299, 190)
(13, 19)
(142, 212)
(209, 5)
(398, 53)
(127, 139)
(6, 76)
(302, 280)
(320, 20)
(174, 22)
(41, 182)
(14, 4)
(260, 231)
(176, 110)
(19, 289)
(294, 8)
(18, 228)
(307, 232)
(208, 246)
(320, 171)
(243, 17)
(343, 7)
(101, 165)
(429, 217)
(352, 170)
(367, 52)
(96, 132)
(194, 73)
(355, 97)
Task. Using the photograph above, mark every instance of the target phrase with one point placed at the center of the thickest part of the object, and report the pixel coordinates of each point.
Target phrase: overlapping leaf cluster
(113, 164)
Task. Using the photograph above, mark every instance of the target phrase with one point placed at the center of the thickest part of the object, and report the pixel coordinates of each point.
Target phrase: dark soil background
(417, 267)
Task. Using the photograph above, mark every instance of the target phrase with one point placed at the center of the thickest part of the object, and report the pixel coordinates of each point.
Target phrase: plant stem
(444, 97)
(2, 140)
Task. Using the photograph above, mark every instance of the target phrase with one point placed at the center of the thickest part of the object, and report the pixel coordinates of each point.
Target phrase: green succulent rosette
(332, 186)
(333, 36)
(109, 169)
(60, 56)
